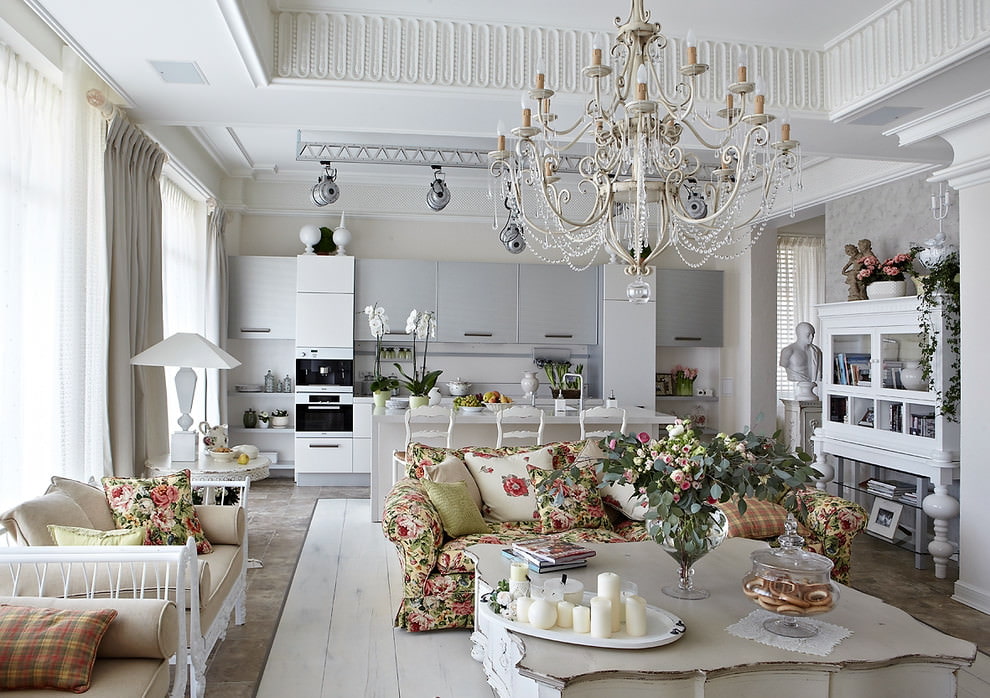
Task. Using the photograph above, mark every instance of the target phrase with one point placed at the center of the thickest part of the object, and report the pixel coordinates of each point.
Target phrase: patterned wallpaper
(892, 216)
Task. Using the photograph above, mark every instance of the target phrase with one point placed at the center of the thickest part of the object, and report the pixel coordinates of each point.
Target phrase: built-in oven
(325, 414)
(326, 369)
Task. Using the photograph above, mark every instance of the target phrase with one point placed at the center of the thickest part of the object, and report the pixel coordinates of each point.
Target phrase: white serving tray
(662, 628)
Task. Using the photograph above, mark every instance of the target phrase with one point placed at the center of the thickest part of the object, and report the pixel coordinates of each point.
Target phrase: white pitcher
(213, 437)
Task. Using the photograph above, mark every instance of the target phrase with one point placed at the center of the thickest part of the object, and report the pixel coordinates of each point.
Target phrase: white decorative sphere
(309, 235)
(543, 614)
(342, 236)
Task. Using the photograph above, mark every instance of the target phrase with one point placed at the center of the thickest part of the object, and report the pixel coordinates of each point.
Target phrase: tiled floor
(279, 515)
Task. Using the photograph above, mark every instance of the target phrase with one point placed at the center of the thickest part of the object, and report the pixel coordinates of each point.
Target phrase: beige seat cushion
(28, 521)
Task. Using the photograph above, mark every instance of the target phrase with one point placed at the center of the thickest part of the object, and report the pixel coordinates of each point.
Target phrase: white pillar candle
(518, 572)
(635, 616)
(601, 616)
(565, 614)
(581, 619)
(628, 589)
(610, 586)
(522, 609)
(574, 591)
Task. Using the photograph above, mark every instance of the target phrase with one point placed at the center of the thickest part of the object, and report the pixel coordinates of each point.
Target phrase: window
(800, 287)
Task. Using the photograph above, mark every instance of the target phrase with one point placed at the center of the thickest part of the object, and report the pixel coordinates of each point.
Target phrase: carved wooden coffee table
(889, 653)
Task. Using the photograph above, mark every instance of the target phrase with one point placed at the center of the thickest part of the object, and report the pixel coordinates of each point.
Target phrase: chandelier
(658, 170)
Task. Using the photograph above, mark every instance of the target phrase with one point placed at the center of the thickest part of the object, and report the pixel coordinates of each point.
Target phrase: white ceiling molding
(899, 46)
(397, 50)
(240, 32)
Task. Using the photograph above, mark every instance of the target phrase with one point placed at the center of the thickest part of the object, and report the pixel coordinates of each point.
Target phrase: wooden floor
(335, 637)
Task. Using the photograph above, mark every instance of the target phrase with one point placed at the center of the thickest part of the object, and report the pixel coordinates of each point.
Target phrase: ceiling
(248, 119)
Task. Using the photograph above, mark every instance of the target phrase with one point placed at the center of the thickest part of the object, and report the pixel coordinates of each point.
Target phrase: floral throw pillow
(566, 505)
(163, 505)
(504, 482)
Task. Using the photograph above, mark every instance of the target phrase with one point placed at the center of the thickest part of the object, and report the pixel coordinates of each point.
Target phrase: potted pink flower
(684, 379)
(886, 279)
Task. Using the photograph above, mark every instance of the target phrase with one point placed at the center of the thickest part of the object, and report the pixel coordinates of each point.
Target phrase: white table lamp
(187, 350)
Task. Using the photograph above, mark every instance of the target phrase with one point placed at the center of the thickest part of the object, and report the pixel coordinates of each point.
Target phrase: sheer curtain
(800, 287)
(50, 279)
(215, 306)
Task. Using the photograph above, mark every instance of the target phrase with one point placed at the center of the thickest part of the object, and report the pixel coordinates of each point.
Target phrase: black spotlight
(511, 236)
(326, 191)
(439, 195)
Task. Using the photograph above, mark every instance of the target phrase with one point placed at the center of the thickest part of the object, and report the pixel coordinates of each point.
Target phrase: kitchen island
(478, 429)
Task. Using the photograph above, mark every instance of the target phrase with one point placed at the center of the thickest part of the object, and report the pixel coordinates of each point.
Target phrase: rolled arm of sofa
(410, 520)
(223, 525)
(835, 522)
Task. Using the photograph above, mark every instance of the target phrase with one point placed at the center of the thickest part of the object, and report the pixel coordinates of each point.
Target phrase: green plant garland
(941, 288)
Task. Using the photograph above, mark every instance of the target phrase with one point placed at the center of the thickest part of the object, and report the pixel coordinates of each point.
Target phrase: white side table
(207, 468)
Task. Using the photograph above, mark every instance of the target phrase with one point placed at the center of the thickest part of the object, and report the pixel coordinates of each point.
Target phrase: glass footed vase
(694, 537)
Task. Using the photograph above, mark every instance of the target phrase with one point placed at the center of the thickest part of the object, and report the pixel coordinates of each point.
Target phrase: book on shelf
(543, 567)
(552, 550)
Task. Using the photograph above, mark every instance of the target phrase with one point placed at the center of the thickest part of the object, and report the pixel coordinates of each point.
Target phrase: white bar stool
(599, 412)
(524, 412)
(427, 416)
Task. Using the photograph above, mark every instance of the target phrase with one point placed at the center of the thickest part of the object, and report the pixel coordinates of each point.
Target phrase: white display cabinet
(873, 414)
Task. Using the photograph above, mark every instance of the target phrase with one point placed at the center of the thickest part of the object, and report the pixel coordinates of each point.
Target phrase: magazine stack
(549, 554)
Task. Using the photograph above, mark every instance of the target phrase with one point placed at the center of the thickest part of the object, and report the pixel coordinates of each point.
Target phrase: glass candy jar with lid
(792, 583)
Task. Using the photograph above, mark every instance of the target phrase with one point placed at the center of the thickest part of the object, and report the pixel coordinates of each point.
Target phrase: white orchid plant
(378, 324)
(422, 326)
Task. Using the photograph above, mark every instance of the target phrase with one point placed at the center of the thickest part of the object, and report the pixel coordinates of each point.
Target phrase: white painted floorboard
(335, 638)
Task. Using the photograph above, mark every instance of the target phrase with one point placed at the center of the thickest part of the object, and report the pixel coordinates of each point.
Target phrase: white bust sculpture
(802, 361)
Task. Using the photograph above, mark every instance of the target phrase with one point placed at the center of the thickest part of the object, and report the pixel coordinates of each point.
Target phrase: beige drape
(136, 404)
(215, 301)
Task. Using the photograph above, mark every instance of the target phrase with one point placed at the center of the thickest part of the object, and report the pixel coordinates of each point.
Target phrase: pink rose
(611, 444)
(685, 484)
(677, 476)
(643, 437)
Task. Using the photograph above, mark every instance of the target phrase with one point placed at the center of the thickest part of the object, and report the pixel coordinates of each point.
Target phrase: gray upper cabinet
(689, 308)
(262, 297)
(398, 285)
(476, 302)
(557, 305)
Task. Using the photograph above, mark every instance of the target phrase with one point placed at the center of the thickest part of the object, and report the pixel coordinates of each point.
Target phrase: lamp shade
(185, 349)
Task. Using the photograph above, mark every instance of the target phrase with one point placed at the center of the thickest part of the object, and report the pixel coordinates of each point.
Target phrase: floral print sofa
(438, 576)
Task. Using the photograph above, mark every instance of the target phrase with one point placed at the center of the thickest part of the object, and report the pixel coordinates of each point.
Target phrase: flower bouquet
(683, 378)
(421, 326)
(381, 386)
(895, 268)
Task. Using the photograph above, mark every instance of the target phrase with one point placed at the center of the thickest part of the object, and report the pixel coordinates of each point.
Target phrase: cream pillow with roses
(504, 482)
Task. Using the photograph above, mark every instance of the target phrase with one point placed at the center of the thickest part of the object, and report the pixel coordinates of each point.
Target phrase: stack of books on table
(891, 489)
(549, 554)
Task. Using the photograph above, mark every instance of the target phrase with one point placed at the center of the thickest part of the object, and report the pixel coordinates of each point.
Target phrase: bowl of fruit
(222, 453)
(495, 400)
(469, 403)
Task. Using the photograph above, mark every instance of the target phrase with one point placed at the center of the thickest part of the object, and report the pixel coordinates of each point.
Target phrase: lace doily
(822, 644)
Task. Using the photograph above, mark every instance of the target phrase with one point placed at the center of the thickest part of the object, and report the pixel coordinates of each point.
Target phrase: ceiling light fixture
(512, 237)
(642, 185)
(438, 196)
(326, 191)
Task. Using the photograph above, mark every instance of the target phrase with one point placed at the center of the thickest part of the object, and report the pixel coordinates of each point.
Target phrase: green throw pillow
(74, 535)
(460, 515)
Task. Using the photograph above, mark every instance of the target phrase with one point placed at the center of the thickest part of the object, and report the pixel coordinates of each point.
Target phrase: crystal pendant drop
(638, 291)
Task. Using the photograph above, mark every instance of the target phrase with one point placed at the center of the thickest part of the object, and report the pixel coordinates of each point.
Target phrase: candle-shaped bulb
(597, 46)
(785, 125)
(641, 78)
(500, 132)
(760, 99)
(541, 73)
(741, 63)
(526, 114)
(691, 41)
(547, 162)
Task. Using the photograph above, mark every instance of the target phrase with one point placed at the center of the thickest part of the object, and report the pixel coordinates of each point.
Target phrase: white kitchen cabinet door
(398, 286)
(477, 302)
(324, 274)
(262, 297)
(628, 355)
(557, 305)
(325, 320)
(362, 456)
(689, 308)
(323, 455)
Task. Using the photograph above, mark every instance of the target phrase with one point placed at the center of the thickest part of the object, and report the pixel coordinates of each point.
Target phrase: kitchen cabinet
(262, 297)
(324, 273)
(361, 443)
(628, 331)
(318, 455)
(398, 286)
(324, 320)
(477, 302)
(557, 305)
(689, 307)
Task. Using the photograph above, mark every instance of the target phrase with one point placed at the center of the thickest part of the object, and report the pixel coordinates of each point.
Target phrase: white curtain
(215, 308)
(50, 279)
(800, 287)
(138, 418)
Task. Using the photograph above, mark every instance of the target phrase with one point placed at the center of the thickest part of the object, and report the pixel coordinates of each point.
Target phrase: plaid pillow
(48, 648)
(163, 505)
(761, 520)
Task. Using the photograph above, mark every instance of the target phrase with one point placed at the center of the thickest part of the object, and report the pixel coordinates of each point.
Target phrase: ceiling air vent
(179, 72)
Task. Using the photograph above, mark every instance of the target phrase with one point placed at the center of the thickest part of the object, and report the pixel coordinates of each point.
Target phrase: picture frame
(868, 419)
(665, 384)
(884, 519)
